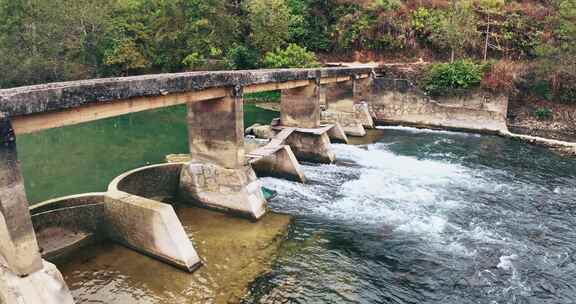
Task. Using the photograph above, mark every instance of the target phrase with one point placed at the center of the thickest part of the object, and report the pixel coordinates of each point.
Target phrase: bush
(242, 58)
(502, 76)
(563, 87)
(293, 56)
(543, 113)
(445, 78)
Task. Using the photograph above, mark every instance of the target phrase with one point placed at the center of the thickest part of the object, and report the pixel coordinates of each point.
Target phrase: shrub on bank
(543, 114)
(293, 56)
(502, 76)
(447, 78)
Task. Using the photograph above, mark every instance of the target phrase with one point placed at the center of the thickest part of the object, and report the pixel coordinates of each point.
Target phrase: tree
(489, 9)
(269, 23)
(558, 55)
(457, 31)
(55, 40)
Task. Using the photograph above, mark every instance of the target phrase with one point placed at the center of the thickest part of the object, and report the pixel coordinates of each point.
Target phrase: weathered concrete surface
(362, 89)
(337, 133)
(234, 251)
(19, 250)
(61, 230)
(335, 91)
(475, 112)
(216, 130)
(310, 146)
(267, 159)
(210, 185)
(66, 95)
(153, 182)
(348, 122)
(282, 164)
(45, 286)
(362, 114)
(149, 227)
(300, 107)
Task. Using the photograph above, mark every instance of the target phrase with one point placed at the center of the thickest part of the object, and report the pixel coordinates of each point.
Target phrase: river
(424, 216)
(417, 216)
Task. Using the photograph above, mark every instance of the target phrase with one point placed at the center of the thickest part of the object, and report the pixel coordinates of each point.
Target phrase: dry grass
(503, 75)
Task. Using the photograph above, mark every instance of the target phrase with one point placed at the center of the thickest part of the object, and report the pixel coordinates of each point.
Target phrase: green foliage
(44, 41)
(194, 61)
(445, 78)
(543, 114)
(268, 96)
(241, 57)
(386, 5)
(293, 56)
(457, 31)
(269, 23)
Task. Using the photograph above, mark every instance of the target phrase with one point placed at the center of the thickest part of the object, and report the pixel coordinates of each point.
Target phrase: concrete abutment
(24, 277)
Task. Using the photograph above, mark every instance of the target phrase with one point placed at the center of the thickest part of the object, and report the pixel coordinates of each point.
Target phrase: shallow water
(233, 251)
(428, 217)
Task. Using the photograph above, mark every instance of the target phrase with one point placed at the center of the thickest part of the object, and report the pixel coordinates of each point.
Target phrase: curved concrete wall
(156, 181)
(66, 223)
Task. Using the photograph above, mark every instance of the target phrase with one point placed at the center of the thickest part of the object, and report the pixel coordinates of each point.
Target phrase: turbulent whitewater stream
(414, 216)
(428, 217)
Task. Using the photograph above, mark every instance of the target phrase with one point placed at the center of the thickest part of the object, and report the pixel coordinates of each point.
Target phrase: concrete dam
(221, 171)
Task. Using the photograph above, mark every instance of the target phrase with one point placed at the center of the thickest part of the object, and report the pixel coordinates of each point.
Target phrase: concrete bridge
(219, 174)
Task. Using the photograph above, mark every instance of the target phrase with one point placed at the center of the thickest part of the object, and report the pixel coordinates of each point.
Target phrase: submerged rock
(261, 131)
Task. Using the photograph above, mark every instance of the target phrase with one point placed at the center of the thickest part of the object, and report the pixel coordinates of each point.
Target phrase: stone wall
(477, 111)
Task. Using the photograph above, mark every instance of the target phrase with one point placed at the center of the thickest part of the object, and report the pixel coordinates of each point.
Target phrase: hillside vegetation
(45, 41)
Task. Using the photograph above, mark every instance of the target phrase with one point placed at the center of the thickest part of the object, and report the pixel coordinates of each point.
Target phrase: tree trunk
(487, 41)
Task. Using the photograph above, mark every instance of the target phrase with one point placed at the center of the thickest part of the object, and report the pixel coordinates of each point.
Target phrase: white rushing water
(457, 201)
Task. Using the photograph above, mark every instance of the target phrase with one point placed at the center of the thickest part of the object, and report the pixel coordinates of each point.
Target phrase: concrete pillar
(18, 247)
(362, 89)
(216, 130)
(300, 107)
(219, 175)
(362, 96)
(24, 277)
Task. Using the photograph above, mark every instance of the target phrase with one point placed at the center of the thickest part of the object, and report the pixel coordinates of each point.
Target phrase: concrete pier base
(311, 145)
(281, 163)
(149, 227)
(337, 133)
(362, 115)
(232, 190)
(45, 286)
(347, 121)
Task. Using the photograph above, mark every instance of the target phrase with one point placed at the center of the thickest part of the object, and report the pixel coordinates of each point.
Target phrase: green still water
(86, 157)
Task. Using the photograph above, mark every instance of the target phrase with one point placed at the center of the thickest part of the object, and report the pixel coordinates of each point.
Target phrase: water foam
(410, 195)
